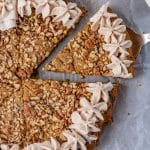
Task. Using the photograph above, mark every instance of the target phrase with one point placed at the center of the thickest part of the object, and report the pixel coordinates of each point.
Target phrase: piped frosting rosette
(8, 15)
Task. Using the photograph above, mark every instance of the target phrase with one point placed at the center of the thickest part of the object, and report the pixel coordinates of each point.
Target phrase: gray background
(131, 127)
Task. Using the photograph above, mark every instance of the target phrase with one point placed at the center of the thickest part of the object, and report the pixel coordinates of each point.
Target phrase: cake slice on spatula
(56, 115)
(103, 47)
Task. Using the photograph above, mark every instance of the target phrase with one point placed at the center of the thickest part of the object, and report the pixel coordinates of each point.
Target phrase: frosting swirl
(6, 147)
(52, 145)
(7, 14)
(44, 7)
(112, 29)
(119, 67)
(99, 91)
(24, 7)
(47, 145)
(118, 47)
(89, 110)
(74, 141)
(67, 13)
(5, 8)
(83, 125)
(98, 19)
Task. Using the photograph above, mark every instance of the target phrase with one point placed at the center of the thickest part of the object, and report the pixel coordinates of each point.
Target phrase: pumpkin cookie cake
(102, 47)
(40, 114)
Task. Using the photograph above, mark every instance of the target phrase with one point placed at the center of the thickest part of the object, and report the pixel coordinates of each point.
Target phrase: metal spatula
(146, 38)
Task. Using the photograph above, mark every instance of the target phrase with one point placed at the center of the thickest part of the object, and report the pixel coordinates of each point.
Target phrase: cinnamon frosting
(67, 13)
(98, 20)
(24, 7)
(44, 7)
(53, 144)
(7, 14)
(148, 2)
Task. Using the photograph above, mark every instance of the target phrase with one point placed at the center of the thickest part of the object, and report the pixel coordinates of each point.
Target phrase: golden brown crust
(131, 56)
(82, 55)
(136, 46)
(137, 42)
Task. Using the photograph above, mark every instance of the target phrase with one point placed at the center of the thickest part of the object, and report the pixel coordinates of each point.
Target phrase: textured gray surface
(131, 127)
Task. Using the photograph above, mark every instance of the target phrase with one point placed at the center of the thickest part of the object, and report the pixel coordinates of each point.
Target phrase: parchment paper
(131, 127)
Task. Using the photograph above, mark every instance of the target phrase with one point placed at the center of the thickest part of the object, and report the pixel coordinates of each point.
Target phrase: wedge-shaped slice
(58, 115)
(35, 31)
(102, 47)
